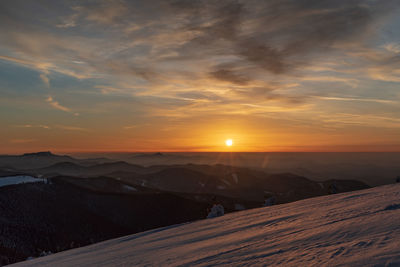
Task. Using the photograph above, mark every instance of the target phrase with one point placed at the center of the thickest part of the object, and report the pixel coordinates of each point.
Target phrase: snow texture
(359, 228)
(4, 181)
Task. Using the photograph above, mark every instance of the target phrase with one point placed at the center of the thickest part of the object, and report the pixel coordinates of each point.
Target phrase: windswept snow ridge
(359, 228)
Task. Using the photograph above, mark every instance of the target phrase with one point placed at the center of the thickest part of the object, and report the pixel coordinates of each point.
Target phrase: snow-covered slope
(360, 228)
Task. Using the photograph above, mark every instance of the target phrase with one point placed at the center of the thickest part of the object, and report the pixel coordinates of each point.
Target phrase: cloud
(48, 127)
(71, 128)
(349, 81)
(278, 35)
(45, 79)
(381, 101)
(128, 127)
(369, 120)
(41, 66)
(186, 58)
(22, 141)
(229, 76)
(385, 73)
(55, 104)
(33, 126)
(392, 47)
(274, 36)
(105, 12)
(68, 22)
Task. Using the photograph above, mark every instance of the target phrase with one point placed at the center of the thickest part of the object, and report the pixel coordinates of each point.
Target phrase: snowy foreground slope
(360, 228)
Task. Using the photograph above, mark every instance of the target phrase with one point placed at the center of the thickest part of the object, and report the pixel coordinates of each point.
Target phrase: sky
(174, 75)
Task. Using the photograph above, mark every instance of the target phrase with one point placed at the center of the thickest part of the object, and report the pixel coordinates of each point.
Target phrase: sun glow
(228, 142)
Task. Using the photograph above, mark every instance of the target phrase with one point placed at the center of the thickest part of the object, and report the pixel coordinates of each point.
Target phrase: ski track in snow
(358, 228)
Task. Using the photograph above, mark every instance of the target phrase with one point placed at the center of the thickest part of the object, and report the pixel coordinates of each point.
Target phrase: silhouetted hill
(223, 180)
(40, 160)
(106, 168)
(103, 185)
(74, 169)
(64, 168)
(39, 154)
(148, 155)
(9, 172)
(231, 182)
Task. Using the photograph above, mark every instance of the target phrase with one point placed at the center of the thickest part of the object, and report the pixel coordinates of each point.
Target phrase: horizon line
(170, 152)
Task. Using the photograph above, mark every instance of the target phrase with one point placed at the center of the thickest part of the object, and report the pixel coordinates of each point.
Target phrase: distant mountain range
(89, 200)
(219, 180)
(41, 160)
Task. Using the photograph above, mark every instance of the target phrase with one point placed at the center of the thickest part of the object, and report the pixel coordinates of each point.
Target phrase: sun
(228, 142)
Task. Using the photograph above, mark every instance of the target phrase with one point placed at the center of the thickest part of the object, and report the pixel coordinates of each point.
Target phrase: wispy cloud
(392, 47)
(385, 73)
(55, 104)
(362, 120)
(71, 128)
(33, 126)
(53, 127)
(22, 141)
(45, 79)
(381, 101)
(349, 81)
(128, 127)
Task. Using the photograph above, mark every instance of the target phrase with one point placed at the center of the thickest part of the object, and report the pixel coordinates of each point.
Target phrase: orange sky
(271, 75)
